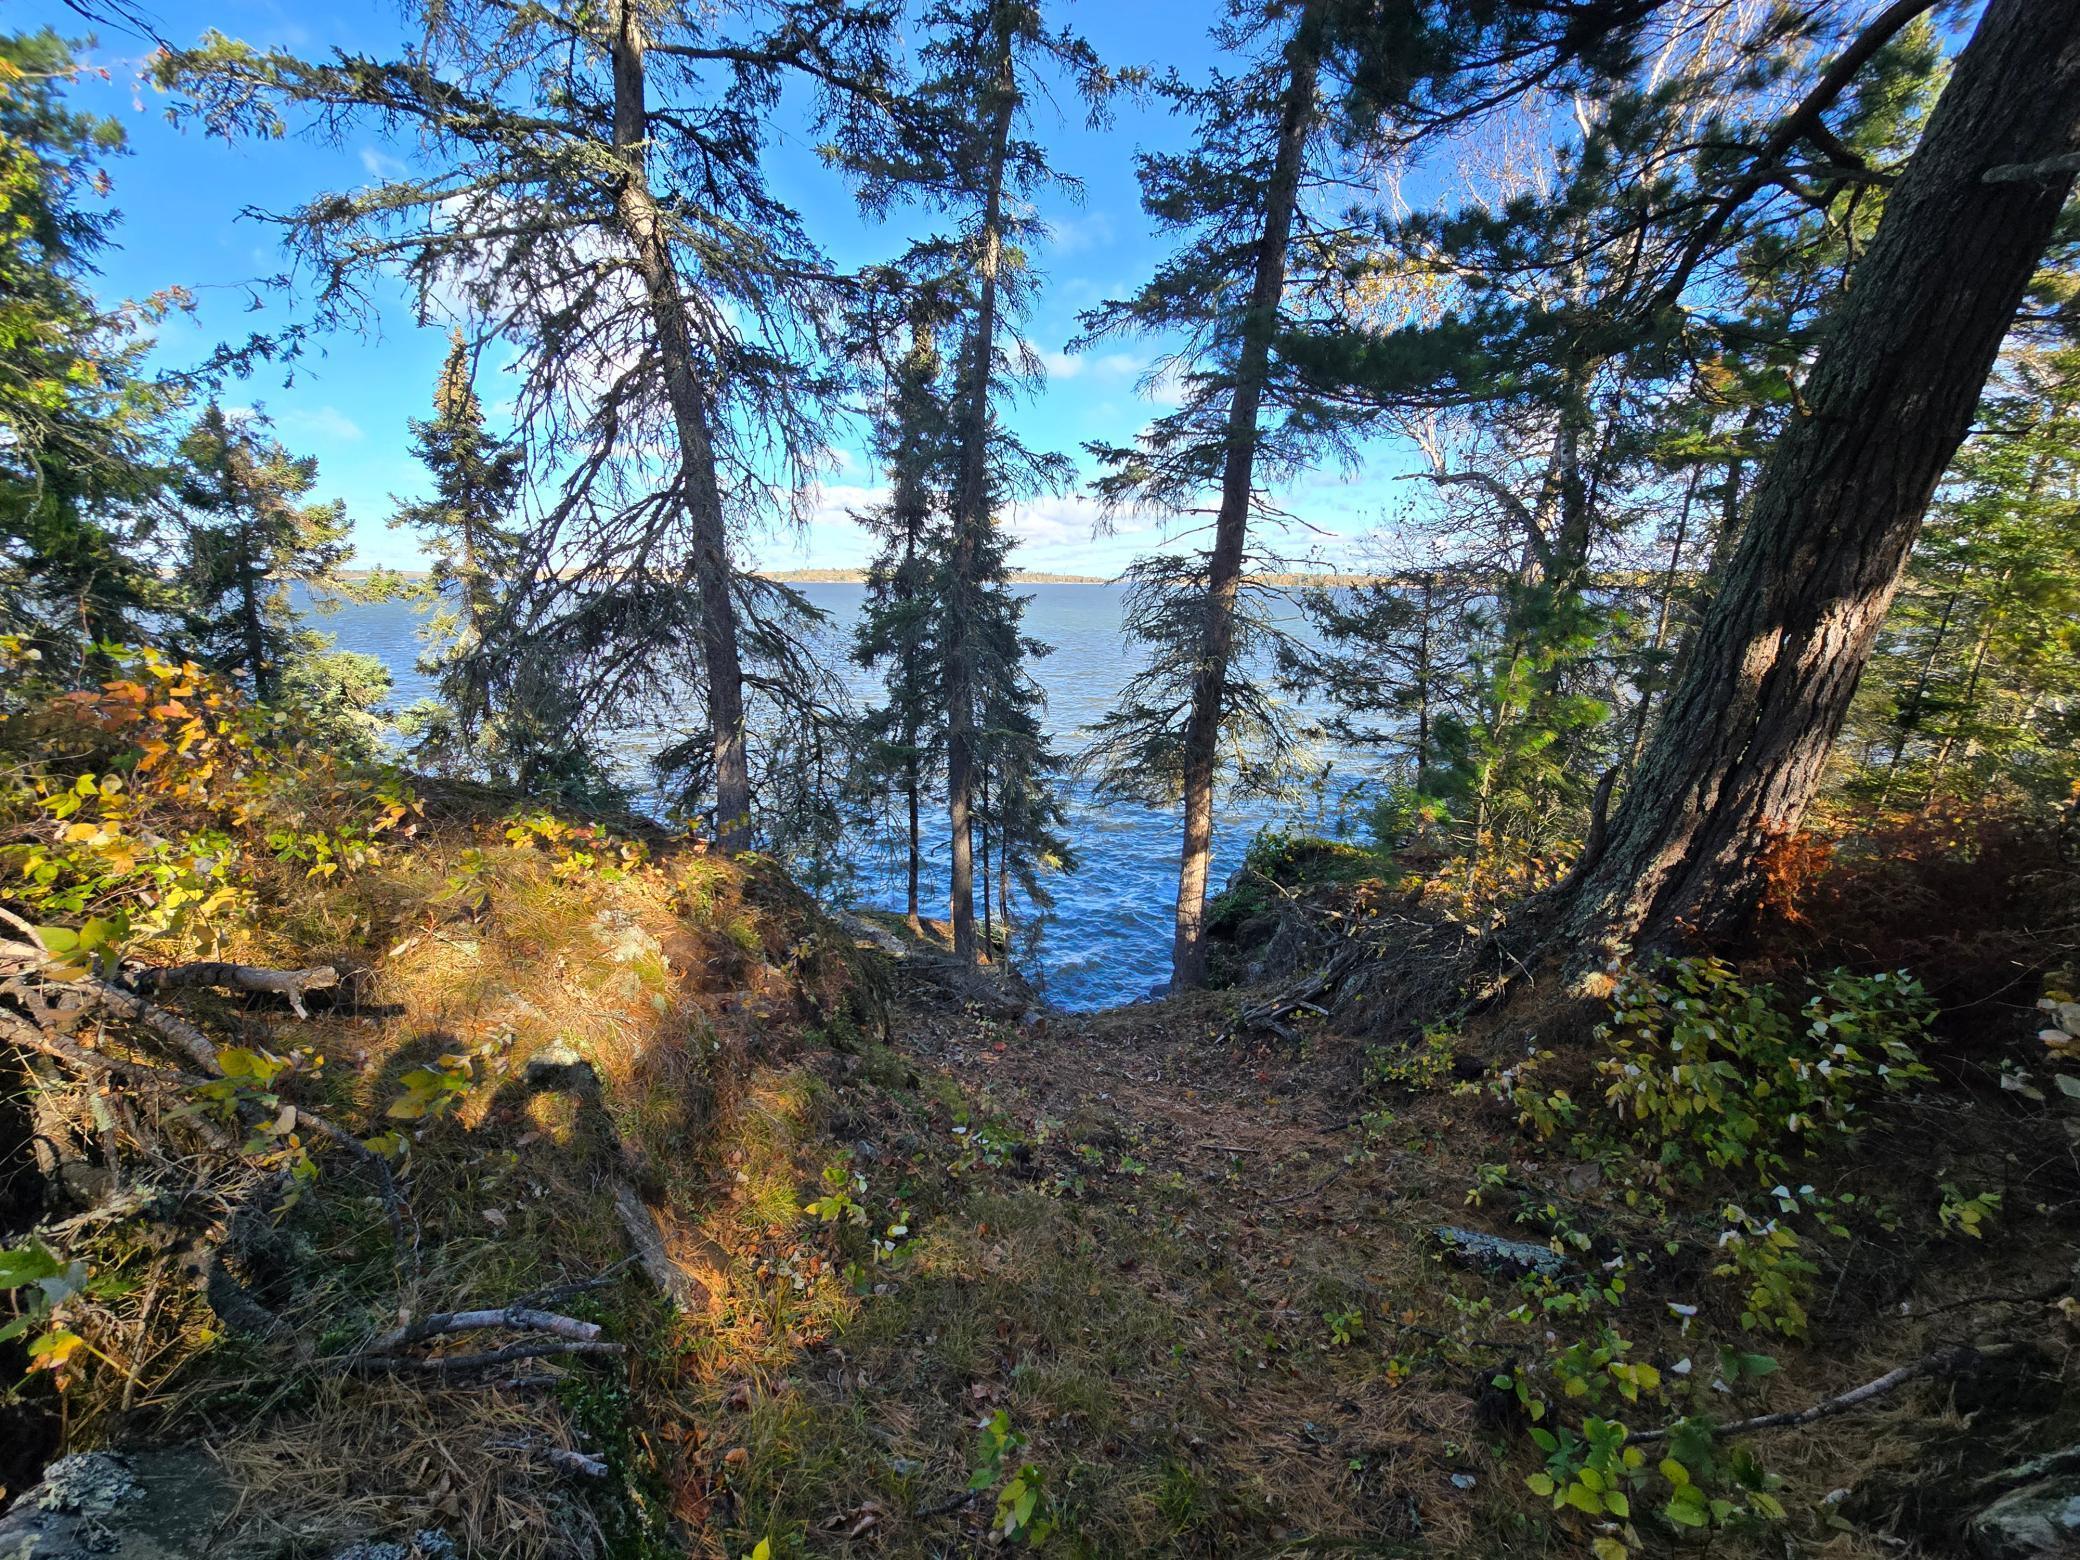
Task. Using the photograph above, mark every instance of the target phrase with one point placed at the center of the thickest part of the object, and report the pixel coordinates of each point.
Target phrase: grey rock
(558, 1065)
(153, 1505)
(622, 939)
(2036, 1522)
(1491, 1252)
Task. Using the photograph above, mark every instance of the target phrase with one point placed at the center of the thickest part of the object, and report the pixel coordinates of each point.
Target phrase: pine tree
(467, 526)
(253, 537)
(593, 190)
(1526, 337)
(79, 472)
(1775, 662)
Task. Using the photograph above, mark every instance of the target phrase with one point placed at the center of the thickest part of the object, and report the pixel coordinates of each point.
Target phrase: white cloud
(324, 422)
(835, 503)
(380, 164)
(1073, 235)
(1065, 365)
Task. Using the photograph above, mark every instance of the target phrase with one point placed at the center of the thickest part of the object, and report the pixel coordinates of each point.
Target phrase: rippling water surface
(1107, 939)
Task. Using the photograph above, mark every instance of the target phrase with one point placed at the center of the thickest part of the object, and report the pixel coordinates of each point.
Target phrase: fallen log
(291, 984)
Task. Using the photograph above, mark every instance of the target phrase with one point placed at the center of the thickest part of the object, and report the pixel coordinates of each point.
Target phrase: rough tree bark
(1741, 744)
(971, 513)
(1231, 523)
(643, 223)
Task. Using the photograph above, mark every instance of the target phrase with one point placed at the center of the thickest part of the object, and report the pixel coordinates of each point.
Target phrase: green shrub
(1723, 1076)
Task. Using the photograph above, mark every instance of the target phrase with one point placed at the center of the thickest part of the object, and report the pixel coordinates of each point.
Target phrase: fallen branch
(21, 1031)
(556, 1293)
(518, 1318)
(685, 1291)
(563, 1459)
(946, 1507)
(1945, 1362)
(176, 1031)
(1320, 1186)
(291, 984)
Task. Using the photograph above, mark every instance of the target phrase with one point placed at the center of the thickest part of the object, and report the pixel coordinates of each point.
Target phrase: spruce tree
(80, 473)
(1974, 687)
(970, 156)
(899, 620)
(254, 537)
(467, 525)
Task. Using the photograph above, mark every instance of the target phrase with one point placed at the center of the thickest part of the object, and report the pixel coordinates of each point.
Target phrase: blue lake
(1107, 939)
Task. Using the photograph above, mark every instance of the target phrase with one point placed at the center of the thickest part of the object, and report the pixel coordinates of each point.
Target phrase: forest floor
(964, 1274)
(1206, 1292)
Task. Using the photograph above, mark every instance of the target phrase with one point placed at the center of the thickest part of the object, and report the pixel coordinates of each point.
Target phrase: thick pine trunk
(1231, 524)
(643, 225)
(1742, 741)
(970, 520)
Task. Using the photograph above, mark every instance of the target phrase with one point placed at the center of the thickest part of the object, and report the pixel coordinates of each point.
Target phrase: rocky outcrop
(2038, 1517)
(155, 1505)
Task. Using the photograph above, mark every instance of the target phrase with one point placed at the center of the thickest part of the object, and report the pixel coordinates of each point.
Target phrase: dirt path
(1190, 1259)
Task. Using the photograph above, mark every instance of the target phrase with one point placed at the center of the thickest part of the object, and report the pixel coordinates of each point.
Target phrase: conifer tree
(1776, 660)
(982, 72)
(80, 476)
(899, 620)
(467, 525)
(254, 537)
(1534, 323)
(1974, 688)
(589, 184)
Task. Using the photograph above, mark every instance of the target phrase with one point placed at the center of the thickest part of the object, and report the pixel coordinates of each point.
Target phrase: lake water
(1107, 940)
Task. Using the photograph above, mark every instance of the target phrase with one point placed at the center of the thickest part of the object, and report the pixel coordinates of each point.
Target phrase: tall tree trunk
(1743, 740)
(643, 224)
(910, 795)
(250, 623)
(971, 516)
(1231, 524)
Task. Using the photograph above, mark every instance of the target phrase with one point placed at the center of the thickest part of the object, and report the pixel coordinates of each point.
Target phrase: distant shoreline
(1018, 577)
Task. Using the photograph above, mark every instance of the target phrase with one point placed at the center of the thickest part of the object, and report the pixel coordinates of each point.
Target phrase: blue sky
(181, 197)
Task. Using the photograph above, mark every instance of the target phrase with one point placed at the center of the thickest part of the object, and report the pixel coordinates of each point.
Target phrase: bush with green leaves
(1721, 1074)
